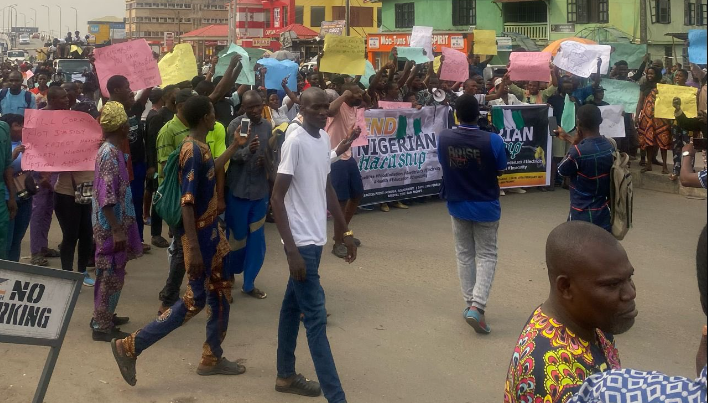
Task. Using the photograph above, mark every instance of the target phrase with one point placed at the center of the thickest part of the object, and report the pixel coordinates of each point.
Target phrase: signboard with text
(386, 42)
(25, 30)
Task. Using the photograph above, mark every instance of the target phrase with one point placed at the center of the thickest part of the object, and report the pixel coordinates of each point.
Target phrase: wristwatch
(685, 154)
(348, 233)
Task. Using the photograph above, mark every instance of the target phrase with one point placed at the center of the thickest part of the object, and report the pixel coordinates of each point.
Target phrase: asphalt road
(396, 328)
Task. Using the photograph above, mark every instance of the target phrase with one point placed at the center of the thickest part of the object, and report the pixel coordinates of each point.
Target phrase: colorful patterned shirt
(550, 363)
(628, 385)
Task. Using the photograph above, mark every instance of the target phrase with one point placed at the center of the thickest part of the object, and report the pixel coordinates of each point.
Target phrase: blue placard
(697, 42)
(277, 71)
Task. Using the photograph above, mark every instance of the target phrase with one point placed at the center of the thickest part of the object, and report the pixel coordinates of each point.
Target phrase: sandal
(646, 169)
(673, 177)
(146, 248)
(255, 293)
(49, 252)
(301, 386)
(39, 260)
(126, 365)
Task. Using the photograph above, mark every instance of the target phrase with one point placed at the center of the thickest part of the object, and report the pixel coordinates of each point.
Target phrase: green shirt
(524, 97)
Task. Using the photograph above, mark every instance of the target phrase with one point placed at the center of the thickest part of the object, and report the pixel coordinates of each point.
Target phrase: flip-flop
(126, 365)
(39, 261)
(301, 386)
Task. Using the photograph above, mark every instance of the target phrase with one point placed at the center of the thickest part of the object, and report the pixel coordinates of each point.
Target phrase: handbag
(167, 198)
(83, 192)
(25, 185)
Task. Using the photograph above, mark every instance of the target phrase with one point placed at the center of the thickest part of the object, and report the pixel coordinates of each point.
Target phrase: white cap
(497, 81)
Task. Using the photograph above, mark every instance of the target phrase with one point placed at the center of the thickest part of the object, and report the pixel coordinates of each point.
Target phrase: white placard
(32, 305)
(612, 121)
(581, 59)
(422, 37)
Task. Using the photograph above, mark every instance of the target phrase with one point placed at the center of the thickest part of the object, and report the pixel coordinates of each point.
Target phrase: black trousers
(75, 222)
(170, 293)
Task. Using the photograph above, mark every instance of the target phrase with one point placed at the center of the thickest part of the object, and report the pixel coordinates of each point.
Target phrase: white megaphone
(438, 95)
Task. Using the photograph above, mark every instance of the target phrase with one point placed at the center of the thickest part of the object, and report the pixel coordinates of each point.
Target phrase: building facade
(106, 30)
(152, 20)
(365, 17)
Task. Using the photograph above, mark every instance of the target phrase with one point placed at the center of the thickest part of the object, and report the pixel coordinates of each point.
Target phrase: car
(24, 39)
(17, 55)
(35, 35)
(70, 70)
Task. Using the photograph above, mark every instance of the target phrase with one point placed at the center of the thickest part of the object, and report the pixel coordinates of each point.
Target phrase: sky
(87, 10)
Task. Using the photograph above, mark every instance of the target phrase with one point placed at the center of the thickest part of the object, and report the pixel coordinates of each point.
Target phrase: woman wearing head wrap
(654, 133)
(115, 228)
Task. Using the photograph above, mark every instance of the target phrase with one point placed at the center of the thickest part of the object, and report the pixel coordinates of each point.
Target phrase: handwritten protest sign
(455, 66)
(697, 42)
(247, 75)
(581, 59)
(413, 54)
(277, 71)
(60, 141)
(612, 121)
(485, 42)
(436, 64)
(629, 52)
(664, 109)
(179, 65)
(363, 138)
(131, 59)
(394, 105)
(618, 92)
(422, 37)
(344, 55)
(530, 66)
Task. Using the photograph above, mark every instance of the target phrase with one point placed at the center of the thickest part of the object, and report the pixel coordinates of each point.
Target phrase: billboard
(25, 30)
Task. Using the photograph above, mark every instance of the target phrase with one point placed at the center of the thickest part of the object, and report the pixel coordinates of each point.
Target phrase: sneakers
(89, 282)
(501, 192)
(516, 190)
(384, 207)
(222, 367)
(399, 205)
(475, 318)
(115, 333)
(339, 250)
(159, 242)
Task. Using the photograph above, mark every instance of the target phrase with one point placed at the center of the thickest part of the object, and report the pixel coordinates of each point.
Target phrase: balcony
(535, 31)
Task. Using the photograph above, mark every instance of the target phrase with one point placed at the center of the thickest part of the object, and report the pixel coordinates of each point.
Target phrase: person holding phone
(247, 199)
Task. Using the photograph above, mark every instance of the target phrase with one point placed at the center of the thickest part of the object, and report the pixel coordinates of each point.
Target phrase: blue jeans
(308, 297)
(137, 188)
(246, 219)
(17, 228)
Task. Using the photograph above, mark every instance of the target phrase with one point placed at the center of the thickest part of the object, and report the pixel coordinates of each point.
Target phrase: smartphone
(553, 125)
(699, 144)
(245, 123)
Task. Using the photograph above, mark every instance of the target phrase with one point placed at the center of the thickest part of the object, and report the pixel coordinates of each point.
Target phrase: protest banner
(612, 121)
(397, 163)
(179, 65)
(395, 105)
(413, 54)
(524, 129)
(247, 75)
(697, 42)
(343, 55)
(581, 59)
(369, 72)
(422, 37)
(60, 141)
(455, 67)
(332, 27)
(530, 66)
(131, 59)
(664, 109)
(277, 71)
(622, 92)
(629, 52)
(485, 42)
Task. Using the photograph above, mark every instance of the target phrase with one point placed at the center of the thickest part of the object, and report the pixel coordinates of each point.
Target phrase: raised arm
(337, 104)
(402, 81)
(292, 97)
(227, 80)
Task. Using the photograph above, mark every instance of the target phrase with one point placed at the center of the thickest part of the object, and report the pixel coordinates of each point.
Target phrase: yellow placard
(179, 65)
(664, 108)
(343, 55)
(436, 64)
(75, 48)
(485, 42)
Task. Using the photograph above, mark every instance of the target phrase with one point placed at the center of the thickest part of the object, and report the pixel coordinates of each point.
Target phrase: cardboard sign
(664, 106)
(622, 92)
(455, 67)
(612, 121)
(697, 42)
(485, 42)
(422, 37)
(343, 55)
(277, 71)
(60, 141)
(413, 54)
(629, 52)
(179, 65)
(247, 75)
(131, 59)
(581, 59)
(530, 66)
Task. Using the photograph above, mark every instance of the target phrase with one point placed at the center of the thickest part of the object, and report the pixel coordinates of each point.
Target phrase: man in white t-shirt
(301, 197)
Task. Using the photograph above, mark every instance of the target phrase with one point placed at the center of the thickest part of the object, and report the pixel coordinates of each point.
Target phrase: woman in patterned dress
(654, 133)
(115, 229)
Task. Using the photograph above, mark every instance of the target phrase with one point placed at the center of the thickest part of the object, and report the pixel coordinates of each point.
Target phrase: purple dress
(111, 187)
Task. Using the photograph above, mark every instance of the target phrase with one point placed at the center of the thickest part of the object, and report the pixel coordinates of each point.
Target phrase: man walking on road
(472, 160)
(301, 197)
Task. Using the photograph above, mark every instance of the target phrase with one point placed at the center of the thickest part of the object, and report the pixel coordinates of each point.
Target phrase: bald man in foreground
(570, 336)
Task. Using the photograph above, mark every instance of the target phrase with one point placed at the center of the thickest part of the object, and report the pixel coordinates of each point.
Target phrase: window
(405, 15)
(284, 17)
(358, 16)
(663, 12)
(464, 12)
(266, 17)
(702, 13)
(317, 15)
(378, 16)
(588, 11)
(299, 15)
(525, 12)
(689, 12)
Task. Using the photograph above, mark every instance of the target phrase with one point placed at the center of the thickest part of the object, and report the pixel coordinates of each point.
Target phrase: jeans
(137, 188)
(308, 297)
(75, 222)
(42, 210)
(170, 292)
(17, 228)
(246, 220)
(476, 249)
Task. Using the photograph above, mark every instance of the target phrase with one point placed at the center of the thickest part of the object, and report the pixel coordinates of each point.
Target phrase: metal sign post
(36, 304)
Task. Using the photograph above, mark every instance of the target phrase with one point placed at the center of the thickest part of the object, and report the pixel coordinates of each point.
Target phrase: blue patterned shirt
(627, 385)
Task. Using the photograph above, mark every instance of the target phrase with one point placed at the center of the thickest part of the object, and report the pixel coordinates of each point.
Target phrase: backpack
(28, 97)
(621, 193)
(167, 197)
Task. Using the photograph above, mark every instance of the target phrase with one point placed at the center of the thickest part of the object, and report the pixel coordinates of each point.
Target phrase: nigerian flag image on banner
(524, 129)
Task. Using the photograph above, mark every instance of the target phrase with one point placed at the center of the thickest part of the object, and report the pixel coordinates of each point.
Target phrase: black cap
(183, 95)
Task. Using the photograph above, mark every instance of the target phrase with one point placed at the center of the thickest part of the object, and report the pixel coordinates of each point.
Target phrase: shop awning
(301, 31)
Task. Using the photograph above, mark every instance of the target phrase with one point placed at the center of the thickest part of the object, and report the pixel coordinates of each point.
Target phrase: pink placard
(455, 67)
(29, 74)
(130, 59)
(394, 105)
(530, 66)
(363, 139)
(60, 141)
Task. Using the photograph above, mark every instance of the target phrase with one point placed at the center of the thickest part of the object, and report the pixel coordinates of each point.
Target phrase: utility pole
(49, 22)
(76, 19)
(347, 16)
(643, 21)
